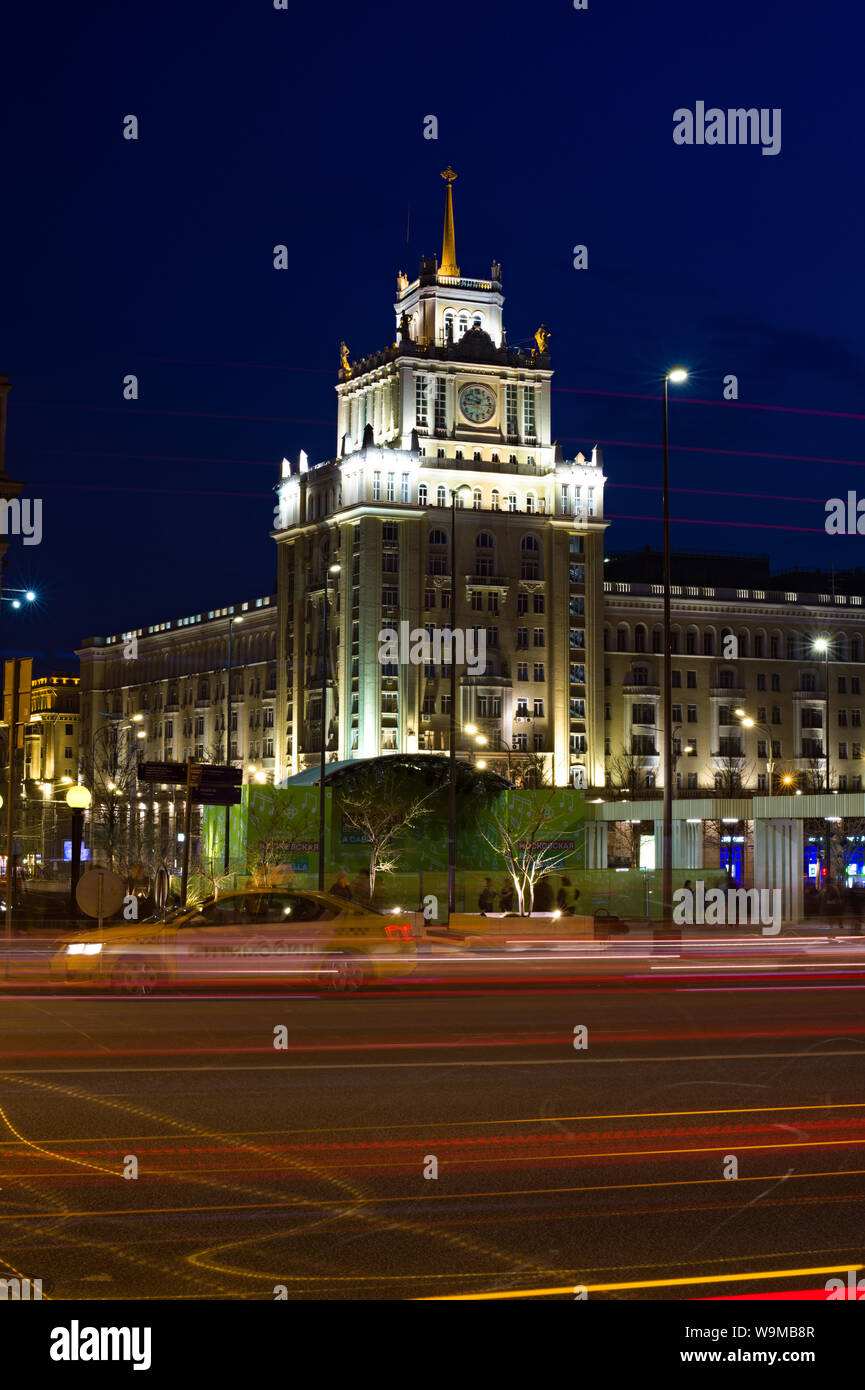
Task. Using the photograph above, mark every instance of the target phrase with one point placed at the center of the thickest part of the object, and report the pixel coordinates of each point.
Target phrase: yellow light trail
(324, 1203)
(458, 1124)
(640, 1284)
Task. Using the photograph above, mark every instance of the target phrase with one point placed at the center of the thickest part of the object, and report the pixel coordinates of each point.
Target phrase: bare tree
(530, 770)
(383, 805)
(111, 777)
(516, 826)
(626, 774)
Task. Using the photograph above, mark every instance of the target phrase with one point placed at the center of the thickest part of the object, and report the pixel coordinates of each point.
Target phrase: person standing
(487, 899)
(341, 888)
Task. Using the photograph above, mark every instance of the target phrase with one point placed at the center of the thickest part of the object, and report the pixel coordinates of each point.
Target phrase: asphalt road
(301, 1167)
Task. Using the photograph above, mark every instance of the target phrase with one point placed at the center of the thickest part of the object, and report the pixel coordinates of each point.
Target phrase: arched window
(639, 638)
(529, 558)
(437, 561)
(464, 323)
(422, 495)
(441, 495)
(530, 501)
(484, 554)
(494, 499)
(621, 639)
(449, 325)
(477, 499)
(512, 502)
(477, 321)
(855, 649)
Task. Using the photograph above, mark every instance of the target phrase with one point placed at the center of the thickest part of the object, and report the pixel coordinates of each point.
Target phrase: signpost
(17, 685)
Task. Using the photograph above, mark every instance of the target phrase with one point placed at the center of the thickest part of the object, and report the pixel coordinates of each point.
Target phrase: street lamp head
(30, 596)
(820, 644)
(334, 569)
(481, 762)
(142, 733)
(471, 728)
(748, 722)
(137, 718)
(739, 713)
(16, 603)
(236, 619)
(480, 738)
(786, 781)
(677, 375)
(77, 798)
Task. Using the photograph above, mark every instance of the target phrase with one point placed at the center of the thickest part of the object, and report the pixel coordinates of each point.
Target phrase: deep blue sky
(305, 127)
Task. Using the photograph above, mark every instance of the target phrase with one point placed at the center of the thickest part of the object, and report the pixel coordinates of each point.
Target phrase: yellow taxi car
(247, 937)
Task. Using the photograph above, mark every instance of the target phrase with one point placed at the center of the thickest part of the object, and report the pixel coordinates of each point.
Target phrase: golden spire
(449, 254)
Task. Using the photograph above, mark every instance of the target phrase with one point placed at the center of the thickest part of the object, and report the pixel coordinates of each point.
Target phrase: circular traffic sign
(100, 892)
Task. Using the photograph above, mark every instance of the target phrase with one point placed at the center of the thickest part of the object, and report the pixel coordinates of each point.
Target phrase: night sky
(260, 126)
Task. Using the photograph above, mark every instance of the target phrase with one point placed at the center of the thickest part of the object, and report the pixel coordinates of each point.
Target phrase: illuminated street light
(676, 375)
(332, 570)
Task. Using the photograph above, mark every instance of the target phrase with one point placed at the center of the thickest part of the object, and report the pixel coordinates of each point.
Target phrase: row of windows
(730, 781)
(794, 647)
(728, 680)
(498, 501)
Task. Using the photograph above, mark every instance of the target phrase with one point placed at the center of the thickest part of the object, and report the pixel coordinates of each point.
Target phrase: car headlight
(84, 948)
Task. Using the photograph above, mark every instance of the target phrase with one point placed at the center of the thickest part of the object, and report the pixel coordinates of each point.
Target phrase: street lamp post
(452, 760)
(822, 645)
(231, 621)
(332, 569)
(675, 374)
(748, 723)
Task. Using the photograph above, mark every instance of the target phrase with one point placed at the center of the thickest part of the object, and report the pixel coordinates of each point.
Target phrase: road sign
(100, 892)
(162, 772)
(214, 775)
(216, 796)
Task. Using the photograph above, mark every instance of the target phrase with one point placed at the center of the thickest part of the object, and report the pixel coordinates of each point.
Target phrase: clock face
(477, 404)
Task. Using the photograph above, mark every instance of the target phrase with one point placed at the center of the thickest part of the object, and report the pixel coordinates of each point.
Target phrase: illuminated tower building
(447, 408)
